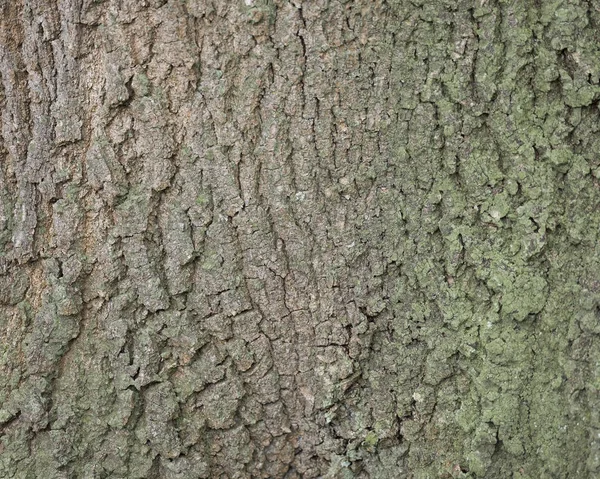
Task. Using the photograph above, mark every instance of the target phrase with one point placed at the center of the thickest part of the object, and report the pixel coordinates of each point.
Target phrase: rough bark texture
(300, 239)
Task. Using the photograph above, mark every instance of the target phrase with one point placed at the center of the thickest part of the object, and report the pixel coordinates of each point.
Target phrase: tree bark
(299, 239)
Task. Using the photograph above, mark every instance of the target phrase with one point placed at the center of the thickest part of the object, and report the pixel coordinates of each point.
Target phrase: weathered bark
(286, 238)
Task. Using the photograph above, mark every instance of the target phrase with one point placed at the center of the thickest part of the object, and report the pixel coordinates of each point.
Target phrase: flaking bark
(299, 239)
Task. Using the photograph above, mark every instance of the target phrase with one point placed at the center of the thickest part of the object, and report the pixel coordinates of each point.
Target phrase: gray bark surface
(299, 239)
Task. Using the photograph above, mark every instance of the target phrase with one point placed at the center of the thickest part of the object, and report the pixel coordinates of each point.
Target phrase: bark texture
(300, 239)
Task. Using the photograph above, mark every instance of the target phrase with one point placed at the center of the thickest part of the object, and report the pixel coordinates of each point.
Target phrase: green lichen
(370, 442)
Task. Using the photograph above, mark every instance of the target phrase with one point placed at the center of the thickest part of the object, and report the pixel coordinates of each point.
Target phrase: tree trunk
(300, 239)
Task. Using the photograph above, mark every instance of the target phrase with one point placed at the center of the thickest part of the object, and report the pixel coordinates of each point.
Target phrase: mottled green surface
(300, 239)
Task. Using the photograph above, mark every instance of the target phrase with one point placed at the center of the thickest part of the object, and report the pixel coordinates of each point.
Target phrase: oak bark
(299, 239)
